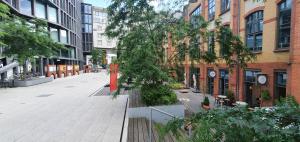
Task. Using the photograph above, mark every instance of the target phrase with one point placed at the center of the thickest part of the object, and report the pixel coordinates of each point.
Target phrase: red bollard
(113, 77)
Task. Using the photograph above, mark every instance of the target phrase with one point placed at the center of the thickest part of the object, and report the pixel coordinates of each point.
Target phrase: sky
(99, 3)
(158, 4)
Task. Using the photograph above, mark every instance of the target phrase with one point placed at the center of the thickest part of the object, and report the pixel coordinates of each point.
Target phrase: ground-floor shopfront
(219, 79)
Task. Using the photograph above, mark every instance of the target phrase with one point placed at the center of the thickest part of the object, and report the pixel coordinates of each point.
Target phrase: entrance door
(223, 81)
(210, 83)
(194, 78)
(280, 84)
(251, 89)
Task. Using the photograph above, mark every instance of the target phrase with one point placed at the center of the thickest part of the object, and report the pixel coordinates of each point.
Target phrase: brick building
(271, 30)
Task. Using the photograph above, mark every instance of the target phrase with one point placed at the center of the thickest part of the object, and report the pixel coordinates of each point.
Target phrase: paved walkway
(64, 110)
(192, 101)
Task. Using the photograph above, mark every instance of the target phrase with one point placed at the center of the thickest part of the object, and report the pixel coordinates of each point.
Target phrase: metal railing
(162, 112)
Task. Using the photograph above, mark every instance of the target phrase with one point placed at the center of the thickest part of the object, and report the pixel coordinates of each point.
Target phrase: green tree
(26, 39)
(140, 31)
(96, 56)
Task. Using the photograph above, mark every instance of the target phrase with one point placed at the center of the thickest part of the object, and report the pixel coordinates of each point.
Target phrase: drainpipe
(237, 63)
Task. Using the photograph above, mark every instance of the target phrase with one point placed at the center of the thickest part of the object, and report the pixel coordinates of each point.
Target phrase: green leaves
(278, 124)
(25, 39)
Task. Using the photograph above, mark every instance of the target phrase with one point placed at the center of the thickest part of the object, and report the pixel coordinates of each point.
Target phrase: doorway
(223, 81)
(210, 83)
(252, 91)
(194, 78)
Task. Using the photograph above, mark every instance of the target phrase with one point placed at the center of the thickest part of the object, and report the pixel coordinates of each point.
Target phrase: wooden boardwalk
(138, 131)
(138, 128)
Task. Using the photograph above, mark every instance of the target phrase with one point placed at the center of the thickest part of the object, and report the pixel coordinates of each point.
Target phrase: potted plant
(230, 96)
(205, 103)
(265, 97)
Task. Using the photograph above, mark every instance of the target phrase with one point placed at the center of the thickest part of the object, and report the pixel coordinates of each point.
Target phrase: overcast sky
(158, 4)
(99, 3)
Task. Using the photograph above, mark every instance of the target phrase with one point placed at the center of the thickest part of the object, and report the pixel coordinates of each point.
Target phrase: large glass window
(63, 36)
(52, 14)
(254, 31)
(211, 9)
(88, 9)
(193, 16)
(224, 52)
(284, 24)
(225, 6)
(87, 28)
(54, 34)
(223, 81)
(40, 10)
(87, 18)
(26, 7)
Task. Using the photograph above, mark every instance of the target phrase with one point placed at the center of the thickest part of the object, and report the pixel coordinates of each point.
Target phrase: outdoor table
(222, 97)
(240, 103)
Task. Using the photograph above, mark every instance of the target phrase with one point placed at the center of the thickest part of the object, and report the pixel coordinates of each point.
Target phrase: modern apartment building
(87, 31)
(100, 21)
(270, 30)
(64, 20)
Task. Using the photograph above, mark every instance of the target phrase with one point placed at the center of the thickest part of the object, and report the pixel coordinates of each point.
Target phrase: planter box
(144, 112)
(35, 81)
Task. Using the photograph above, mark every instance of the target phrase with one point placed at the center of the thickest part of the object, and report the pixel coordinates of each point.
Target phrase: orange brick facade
(269, 60)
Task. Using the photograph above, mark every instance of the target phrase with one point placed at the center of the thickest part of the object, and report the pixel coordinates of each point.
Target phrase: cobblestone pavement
(65, 110)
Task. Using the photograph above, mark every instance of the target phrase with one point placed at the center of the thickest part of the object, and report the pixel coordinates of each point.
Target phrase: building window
(88, 19)
(250, 87)
(284, 24)
(88, 9)
(63, 36)
(280, 84)
(54, 34)
(26, 7)
(223, 52)
(225, 6)
(254, 31)
(87, 28)
(211, 9)
(99, 35)
(194, 15)
(223, 81)
(100, 42)
(52, 14)
(40, 10)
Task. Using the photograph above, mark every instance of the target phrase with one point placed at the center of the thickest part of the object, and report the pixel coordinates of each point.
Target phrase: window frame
(279, 28)
(226, 9)
(255, 23)
(211, 6)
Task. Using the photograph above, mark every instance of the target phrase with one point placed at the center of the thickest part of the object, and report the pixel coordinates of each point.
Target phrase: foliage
(96, 56)
(25, 39)
(205, 101)
(140, 32)
(230, 95)
(278, 124)
(176, 85)
(265, 95)
(157, 94)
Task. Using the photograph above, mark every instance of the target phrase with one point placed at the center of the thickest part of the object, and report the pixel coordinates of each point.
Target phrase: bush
(157, 94)
(176, 85)
(205, 101)
(277, 124)
(265, 95)
(230, 95)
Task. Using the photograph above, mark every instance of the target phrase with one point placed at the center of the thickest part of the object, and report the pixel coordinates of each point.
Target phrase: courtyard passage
(65, 110)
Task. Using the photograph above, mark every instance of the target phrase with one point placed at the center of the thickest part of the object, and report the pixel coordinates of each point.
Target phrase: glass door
(210, 82)
(223, 81)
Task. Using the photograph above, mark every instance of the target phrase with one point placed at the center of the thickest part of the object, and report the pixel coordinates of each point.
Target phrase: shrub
(265, 95)
(157, 94)
(205, 101)
(230, 95)
(176, 86)
(277, 124)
